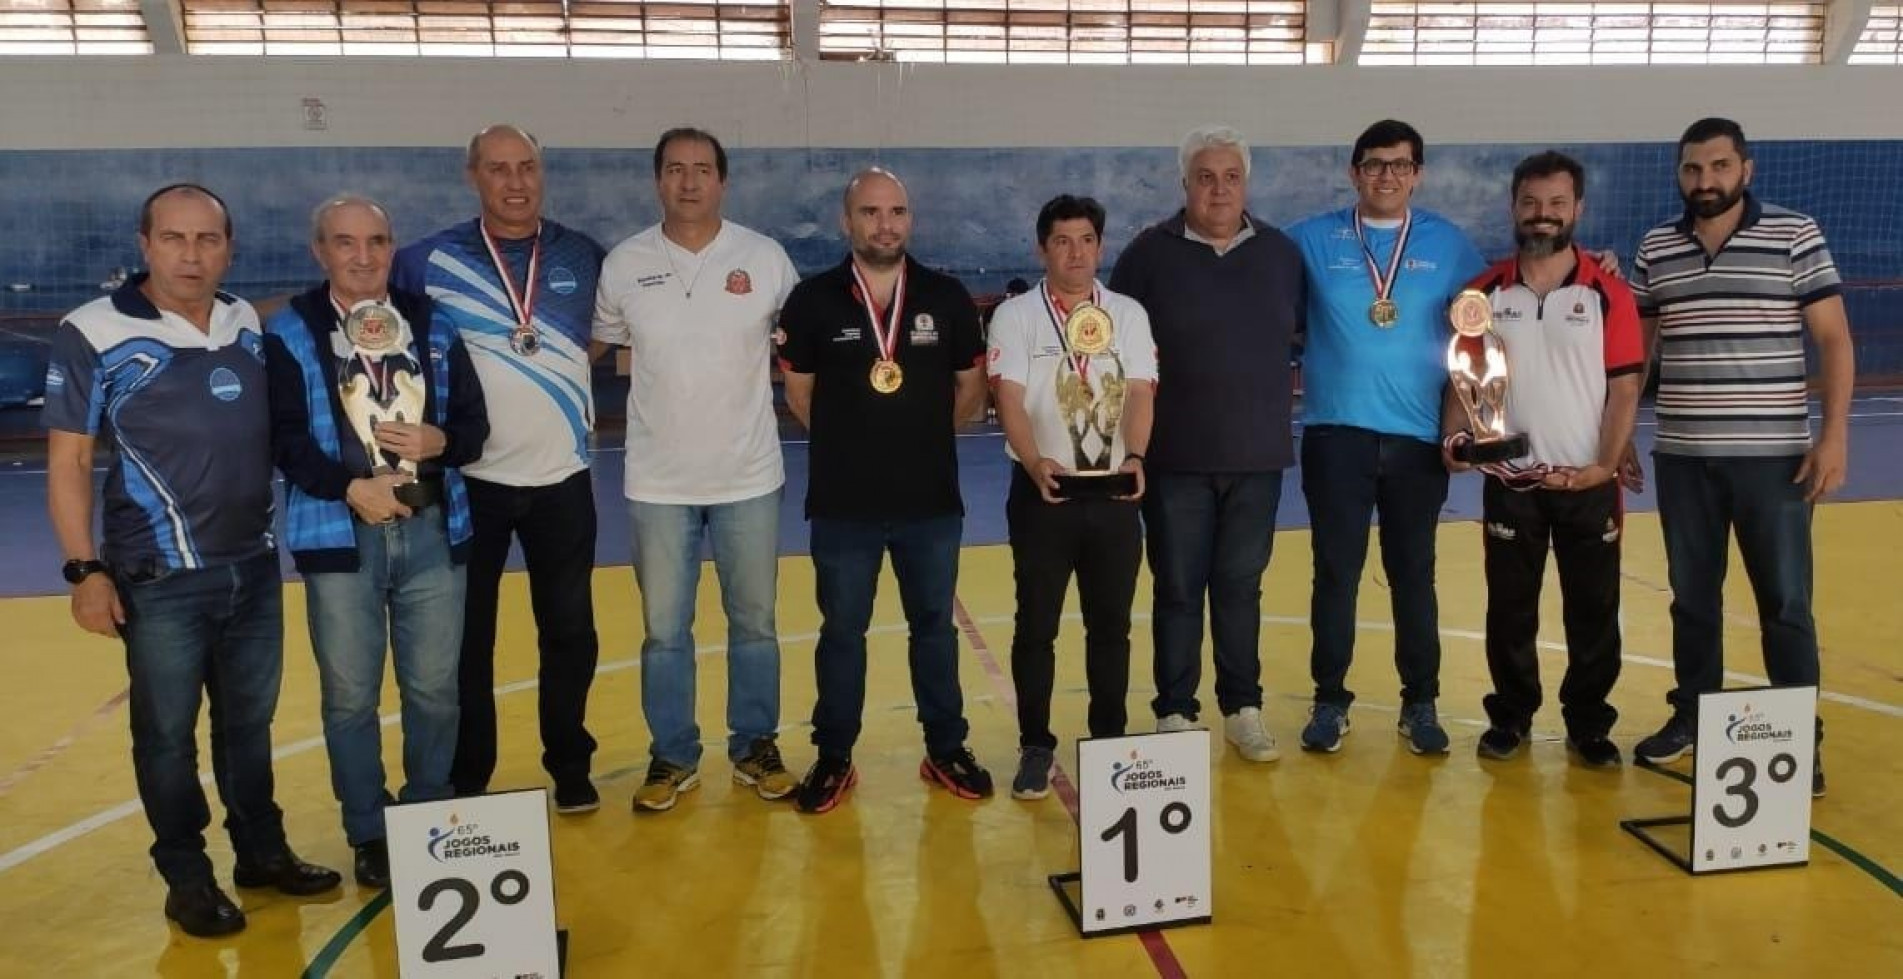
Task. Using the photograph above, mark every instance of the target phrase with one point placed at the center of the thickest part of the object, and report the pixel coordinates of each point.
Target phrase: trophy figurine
(379, 382)
(1090, 391)
(1477, 368)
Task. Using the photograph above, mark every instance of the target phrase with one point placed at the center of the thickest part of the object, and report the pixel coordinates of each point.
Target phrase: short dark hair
(1712, 127)
(1064, 207)
(692, 135)
(145, 209)
(1548, 164)
(1388, 132)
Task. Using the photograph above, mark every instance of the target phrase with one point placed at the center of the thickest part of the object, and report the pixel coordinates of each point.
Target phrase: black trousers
(1583, 530)
(1102, 541)
(556, 525)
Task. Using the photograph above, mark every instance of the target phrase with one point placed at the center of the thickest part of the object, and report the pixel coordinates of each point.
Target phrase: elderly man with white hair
(1224, 293)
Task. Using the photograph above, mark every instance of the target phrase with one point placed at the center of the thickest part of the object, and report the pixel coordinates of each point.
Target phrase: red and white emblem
(739, 282)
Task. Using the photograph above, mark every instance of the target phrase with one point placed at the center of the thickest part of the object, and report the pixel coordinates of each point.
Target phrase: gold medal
(1088, 330)
(887, 377)
(1384, 313)
(1471, 313)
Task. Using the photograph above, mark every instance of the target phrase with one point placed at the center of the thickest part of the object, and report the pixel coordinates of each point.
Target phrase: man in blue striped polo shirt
(1729, 290)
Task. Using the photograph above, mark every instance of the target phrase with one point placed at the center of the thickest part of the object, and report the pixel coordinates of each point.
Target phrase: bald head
(179, 192)
(505, 168)
(877, 218)
(501, 134)
(867, 176)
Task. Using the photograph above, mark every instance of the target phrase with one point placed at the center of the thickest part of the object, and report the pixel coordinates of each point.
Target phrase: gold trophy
(1090, 391)
(1477, 368)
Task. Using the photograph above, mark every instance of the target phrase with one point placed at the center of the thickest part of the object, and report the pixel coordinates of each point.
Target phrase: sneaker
(1500, 743)
(826, 784)
(1596, 752)
(665, 783)
(1817, 775)
(576, 795)
(1033, 780)
(1253, 741)
(203, 911)
(959, 772)
(1678, 736)
(1420, 725)
(1172, 723)
(1326, 724)
(763, 769)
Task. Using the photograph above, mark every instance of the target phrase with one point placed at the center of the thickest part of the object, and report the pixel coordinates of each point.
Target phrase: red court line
(54, 750)
(1161, 955)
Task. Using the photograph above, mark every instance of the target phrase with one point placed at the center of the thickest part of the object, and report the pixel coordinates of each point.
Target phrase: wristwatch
(79, 569)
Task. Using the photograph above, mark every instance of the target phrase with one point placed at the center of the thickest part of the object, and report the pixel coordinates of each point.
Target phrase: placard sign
(1143, 833)
(1751, 794)
(473, 887)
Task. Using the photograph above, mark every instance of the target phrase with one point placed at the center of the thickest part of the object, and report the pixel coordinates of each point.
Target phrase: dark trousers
(847, 555)
(556, 525)
(212, 634)
(1102, 541)
(1701, 503)
(1583, 530)
(1348, 475)
(1209, 534)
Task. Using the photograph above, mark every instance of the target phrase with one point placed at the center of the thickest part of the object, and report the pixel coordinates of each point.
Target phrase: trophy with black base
(1477, 368)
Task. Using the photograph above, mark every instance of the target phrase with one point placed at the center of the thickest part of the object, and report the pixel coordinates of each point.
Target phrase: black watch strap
(79, 569)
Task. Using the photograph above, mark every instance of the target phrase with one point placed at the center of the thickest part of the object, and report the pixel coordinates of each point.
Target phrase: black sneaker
(1033, 781)
(826, 784)
(1500, 743)
(1597, 751)
(288, 875)
(576, 794)
(203, 911)
(1817, 775)
(1678, 736)
(959, 772)
(372, 864)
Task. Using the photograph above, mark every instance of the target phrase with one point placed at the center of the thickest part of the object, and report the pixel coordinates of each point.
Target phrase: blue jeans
(847, 555)
(219, 630)
(406, 595)
(746, 537)
(1348, 475)
(1209, 534)
(1701, 502)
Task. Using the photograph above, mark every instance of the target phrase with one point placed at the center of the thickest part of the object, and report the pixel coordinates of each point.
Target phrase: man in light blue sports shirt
(1380, 276)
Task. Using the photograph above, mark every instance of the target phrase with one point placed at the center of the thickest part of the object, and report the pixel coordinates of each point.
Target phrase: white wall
(178, 101)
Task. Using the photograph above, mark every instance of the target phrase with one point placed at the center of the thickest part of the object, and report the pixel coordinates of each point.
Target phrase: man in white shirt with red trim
(1038, 370)
(1575, 362)
(694, 298)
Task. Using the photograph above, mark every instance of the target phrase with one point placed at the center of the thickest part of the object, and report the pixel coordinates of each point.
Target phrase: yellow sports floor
(1371, 862)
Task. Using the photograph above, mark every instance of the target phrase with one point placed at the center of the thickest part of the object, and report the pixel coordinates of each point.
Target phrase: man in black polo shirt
(1225, 296)
(882, 357)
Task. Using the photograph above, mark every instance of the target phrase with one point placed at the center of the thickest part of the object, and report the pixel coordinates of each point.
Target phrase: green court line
(1876, 870)
(334, 949)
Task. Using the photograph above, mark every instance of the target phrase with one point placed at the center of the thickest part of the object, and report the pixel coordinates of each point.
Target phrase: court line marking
(57, 748)
(333, 950)
(1162, 957)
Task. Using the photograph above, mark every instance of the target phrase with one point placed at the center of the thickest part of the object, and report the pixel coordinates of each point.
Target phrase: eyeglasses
(1399, 168)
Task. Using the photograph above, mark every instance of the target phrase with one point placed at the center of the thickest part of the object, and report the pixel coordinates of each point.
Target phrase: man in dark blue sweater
(1224, 292)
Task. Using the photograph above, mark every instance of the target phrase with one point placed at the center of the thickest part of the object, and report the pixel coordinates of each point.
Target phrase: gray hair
(475, 142)
(335, 201)
(1213, 137)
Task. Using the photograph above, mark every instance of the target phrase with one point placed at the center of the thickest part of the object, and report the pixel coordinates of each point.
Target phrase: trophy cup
(1477, 368)
(380, 382)
(1090, 391)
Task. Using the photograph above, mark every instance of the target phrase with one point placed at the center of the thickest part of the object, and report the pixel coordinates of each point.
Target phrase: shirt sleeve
(610, 321)
(75, 386)
(966, 337)
(1641, 284)
(1625, 341)
(1138, 348)
(1010, 356)
(788, 277)
(1469, 264)
(1813, 272)
(797, 336)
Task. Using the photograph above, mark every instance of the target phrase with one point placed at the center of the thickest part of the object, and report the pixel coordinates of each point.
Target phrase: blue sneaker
(1326, 725)
(1678, 736)
(1420, 725)
(1033, 780)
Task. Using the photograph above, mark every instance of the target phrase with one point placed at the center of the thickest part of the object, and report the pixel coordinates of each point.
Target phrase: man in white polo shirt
(1575, 358)
(695, 298)
(1059, 390)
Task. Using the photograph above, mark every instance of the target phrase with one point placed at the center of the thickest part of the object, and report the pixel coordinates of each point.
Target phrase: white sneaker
(1172, 723)
(1253, 741)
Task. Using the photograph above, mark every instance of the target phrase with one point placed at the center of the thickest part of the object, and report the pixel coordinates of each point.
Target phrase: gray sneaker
(1033, 780)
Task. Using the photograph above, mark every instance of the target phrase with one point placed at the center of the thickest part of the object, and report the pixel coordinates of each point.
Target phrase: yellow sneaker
(763, 769)
(665, 783)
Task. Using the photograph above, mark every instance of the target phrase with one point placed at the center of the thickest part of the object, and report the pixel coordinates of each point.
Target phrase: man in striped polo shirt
(1728, 291)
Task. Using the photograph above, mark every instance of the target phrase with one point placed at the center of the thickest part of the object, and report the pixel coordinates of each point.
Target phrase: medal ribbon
(885, 336)
(1384, 284)
(521, 304)
(1078, 362)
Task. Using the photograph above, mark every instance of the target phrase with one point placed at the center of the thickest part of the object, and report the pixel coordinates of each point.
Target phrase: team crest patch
(561, 281)
(739, 282)
(225, 385)
(1579, 309)
(924, 331)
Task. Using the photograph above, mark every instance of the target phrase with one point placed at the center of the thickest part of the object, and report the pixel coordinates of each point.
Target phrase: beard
(1534, 245)
(1711, 207)
(875, 257)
